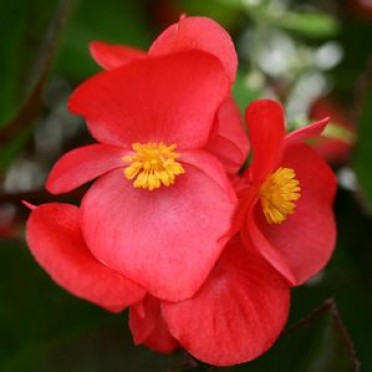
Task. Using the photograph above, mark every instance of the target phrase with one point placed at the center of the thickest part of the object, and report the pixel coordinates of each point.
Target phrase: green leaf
(314, 25)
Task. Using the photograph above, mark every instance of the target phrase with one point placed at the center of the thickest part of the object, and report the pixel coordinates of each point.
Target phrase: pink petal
(266, 124)
(310, 131)
(229, 142)
(111, 56)
(253, 235)
(147, 326)
(198, 33)
(82, 165)
(55, 240)
(307, 238)
(143, 317)
(172, 99)
(212, 168)
(160, 340)
(166, 240)
(237, 314)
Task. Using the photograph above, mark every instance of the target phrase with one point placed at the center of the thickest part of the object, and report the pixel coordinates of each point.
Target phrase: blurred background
(315, 56)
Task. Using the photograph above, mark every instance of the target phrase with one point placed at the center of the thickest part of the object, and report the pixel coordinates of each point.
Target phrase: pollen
(278, 195)
(153, 165)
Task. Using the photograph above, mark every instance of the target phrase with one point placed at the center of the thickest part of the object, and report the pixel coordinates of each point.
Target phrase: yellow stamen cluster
(152, 165)
(278, 194)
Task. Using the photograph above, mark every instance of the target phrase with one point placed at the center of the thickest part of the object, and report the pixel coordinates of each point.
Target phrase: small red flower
(287, 203)
(161, 209)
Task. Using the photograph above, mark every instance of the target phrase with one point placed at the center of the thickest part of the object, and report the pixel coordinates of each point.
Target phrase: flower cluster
(203, 256)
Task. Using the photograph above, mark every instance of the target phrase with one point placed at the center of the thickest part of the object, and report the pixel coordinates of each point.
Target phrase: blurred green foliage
(121, 22)
(310, 24)
(23, 24)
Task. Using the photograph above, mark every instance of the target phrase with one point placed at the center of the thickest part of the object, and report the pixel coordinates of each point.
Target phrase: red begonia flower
(287, 205)
(235, 316)
(55, 240)
(158, 111)
(228, 140)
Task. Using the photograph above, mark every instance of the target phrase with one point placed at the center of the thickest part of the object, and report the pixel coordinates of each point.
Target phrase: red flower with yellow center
(227, 140)
(161, 209)
(286, 203)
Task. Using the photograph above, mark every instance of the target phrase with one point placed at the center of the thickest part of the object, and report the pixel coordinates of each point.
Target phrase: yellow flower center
(278, 195)
(152, 165)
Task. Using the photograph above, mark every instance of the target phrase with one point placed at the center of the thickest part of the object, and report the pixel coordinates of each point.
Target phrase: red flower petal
(198, 33)
(166, 240)
(310, 131)
(161, 340)
(111, 56)
(307, 238)
(266, 124)
(211, 167)
(147, 326)
(54, 237)
(236, 315)
(82, 165)
(252, 234)
(143, 317)
(229, 142)
(172, 99)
